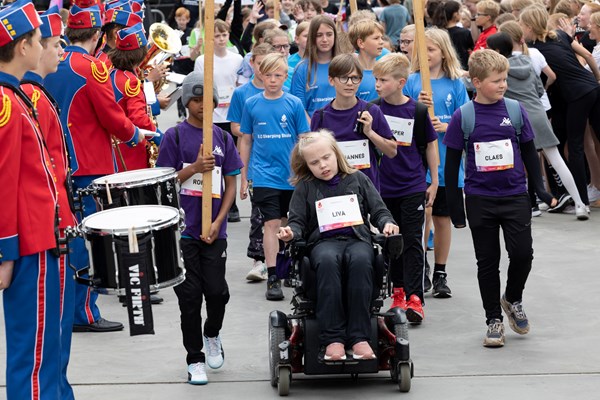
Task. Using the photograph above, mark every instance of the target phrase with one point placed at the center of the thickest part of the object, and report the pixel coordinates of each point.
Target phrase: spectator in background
(394, 18)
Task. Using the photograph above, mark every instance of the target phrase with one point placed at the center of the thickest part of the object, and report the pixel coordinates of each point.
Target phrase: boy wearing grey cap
(204, 256)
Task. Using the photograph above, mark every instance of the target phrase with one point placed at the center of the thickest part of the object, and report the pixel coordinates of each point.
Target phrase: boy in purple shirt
(204, 257)
(403, 186)
(359, 127)
(496, 192)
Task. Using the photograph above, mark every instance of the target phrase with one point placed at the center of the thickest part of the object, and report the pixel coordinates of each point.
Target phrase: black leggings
(573, 122)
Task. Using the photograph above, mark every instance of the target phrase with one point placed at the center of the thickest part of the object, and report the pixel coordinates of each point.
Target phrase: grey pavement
(558, 359)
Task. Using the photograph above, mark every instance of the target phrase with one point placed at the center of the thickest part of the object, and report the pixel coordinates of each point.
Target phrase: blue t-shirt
(395, 17)
(274, 126)
(320, 92)
(448, 96)
(366, 89)
(293, 60)
(238, 99)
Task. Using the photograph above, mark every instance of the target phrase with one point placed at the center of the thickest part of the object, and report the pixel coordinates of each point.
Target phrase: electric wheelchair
(293, 339)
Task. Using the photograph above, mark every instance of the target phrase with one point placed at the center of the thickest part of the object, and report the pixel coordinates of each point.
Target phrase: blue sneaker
(516, 316)
(197, 374)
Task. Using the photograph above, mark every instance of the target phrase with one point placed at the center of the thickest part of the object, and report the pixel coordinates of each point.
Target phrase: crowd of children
(326, 114)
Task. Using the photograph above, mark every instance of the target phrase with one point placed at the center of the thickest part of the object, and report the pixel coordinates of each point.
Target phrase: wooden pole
(353, 6)
(207, 135)
(421, 48)
(338, 18)
(276, 10)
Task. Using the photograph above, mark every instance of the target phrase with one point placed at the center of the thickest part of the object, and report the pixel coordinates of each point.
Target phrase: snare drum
(157, 229)
(132, 188)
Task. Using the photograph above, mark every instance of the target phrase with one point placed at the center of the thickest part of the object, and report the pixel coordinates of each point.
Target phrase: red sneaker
(414, 309)
(399, 299)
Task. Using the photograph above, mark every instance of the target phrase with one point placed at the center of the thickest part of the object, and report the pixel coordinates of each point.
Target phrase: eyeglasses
(354, 79)
(281, 46)
(405, 42)
(482, 15)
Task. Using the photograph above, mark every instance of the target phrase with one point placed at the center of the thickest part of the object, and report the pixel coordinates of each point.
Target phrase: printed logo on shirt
(449, 100)
(218, 152)
(506, 122)
(283, 122)
(420, 207)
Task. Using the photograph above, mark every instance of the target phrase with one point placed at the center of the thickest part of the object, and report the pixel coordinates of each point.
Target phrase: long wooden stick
(421, 47)
(353, 6)
(276, 9)
(207, 136)
(338, 18)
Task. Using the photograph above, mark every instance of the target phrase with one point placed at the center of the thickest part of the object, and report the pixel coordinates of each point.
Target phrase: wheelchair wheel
(276, 336)
(404, 377)
(400, 331)
(285, 377)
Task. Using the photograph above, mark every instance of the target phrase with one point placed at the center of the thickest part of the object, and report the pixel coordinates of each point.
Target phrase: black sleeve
(237, 28)
(456, 205)
(222, 14)
(247, 37)
(534, 173)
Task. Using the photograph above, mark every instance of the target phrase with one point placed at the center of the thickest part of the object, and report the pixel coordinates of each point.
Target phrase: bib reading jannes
(338, 212)
(357, 153)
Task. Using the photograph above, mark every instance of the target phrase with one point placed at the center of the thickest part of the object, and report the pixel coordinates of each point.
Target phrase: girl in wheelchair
(331, 208)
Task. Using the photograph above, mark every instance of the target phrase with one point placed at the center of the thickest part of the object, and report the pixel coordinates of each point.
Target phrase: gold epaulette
(132, 92)
(100, 75)
(6, 110)
(35, 96)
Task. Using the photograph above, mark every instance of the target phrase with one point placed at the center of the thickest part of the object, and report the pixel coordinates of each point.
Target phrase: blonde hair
(595, 19)
(536, 18)
(361, 15)
(483, 62)
(520, 4)
(450, 63)
(394, 64)
(502, 18)
(362, 30)
(514, 30)
(302, 26)
(262, 50)
(301, 171)
(270, 34)
(490, 8)
(273, 62)
(564, 7)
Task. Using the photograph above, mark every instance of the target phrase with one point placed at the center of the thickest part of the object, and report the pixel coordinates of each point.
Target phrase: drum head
(134, 177)
(118, 221)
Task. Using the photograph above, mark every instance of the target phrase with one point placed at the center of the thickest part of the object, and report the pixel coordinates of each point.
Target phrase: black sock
(272, 271)
(439, 268)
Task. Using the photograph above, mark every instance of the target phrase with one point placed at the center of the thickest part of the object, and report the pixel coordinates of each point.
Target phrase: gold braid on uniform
(35, 96)
(132, 92)
(6, 110)
(100, 76)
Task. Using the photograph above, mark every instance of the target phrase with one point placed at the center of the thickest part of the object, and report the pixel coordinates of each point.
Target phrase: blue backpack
(467, 123)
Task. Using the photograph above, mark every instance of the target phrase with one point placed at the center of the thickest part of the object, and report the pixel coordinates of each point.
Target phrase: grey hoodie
(526, 86)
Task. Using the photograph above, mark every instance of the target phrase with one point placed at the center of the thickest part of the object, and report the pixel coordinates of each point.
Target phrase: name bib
(338, 212)
(494, 156)
(193, 185)
(357, 153)
(402, 128)
(225, 94)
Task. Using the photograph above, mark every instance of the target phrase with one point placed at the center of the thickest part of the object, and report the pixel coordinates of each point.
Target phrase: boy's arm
(245, 146)
(389, 147)
(235, 129)
(455, 202)
(532, 165)
(228, 196)
(431, 153)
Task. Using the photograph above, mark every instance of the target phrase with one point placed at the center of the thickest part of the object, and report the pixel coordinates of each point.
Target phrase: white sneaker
(215, 356)
(581, 213)
(593, 193)
(258, 272)
(197, 374)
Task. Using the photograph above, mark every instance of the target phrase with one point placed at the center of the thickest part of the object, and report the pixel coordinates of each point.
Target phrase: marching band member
(30, 191)
(49, 122)
(129, 52)
(90, 117)
(116, 18)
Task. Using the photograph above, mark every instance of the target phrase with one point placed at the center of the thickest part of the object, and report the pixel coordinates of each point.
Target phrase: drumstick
(118, 150)
(133, 242)
(108, 192)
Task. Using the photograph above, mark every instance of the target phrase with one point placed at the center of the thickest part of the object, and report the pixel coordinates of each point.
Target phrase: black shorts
(273, 203)
(440, 204)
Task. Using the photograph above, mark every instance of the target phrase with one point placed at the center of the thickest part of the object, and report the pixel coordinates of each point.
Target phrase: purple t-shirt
(404, 174)
(343, 124)
(492, 123)
(174, 155)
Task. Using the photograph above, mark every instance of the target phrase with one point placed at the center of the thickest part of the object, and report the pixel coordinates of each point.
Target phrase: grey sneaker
(215, 356)
(516, 316)
(440, 286)
(258, 272)
(494, 336)
(274, 291)
(197, 374)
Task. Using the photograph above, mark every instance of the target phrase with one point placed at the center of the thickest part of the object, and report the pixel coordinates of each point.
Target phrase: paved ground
(559, 359)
